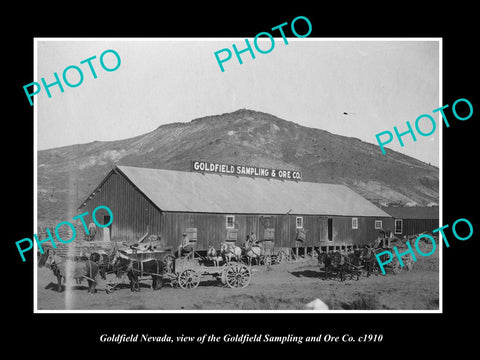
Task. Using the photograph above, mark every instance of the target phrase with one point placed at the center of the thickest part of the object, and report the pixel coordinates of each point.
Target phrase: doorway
(330, 229)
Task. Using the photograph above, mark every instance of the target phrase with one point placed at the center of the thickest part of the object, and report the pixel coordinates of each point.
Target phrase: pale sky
(310, 81)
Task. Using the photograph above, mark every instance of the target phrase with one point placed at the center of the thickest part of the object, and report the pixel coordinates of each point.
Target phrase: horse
(253, 252)
(169, 261)
(229, 251)
(78, 270)
(102, 260)
(355, 265)
(334, 262)
(321, 258)
(123, 265)
(212, 255)
(251, 249)
(369, 260)
(134, 269)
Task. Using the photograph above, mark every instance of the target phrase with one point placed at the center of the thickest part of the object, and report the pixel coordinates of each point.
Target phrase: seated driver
(185, 246)
(253, 238)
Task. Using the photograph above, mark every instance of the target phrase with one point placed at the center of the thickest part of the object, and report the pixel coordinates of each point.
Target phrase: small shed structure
(413, 220)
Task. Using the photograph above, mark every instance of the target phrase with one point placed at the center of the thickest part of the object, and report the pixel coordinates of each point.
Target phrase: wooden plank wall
(417, 226)
(134, 215)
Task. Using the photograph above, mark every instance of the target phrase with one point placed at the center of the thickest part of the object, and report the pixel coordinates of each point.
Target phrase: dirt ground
(287, 286)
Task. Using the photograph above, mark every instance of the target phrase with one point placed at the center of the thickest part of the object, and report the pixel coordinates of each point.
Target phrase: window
(398, 226)
(378, 224)
(299, 222)
(354, 223)
(230, 221)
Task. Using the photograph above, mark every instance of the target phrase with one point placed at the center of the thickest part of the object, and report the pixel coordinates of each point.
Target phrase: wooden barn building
(413, 220)
(168, 203)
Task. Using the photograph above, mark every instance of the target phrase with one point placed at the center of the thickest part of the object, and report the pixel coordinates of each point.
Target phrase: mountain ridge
(66, 175)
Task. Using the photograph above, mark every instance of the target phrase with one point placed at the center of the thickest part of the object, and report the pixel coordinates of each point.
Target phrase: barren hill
(66, 175)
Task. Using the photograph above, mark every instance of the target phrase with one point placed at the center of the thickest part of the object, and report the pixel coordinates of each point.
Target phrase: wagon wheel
(364, 271)
(396, 268)
(188, 279)
(243, 259)
(266, 260)
(409, 265)
(169, 261)
(173, 281)
(110, 287)
(283, 257)
(357, 272)
(237, 276)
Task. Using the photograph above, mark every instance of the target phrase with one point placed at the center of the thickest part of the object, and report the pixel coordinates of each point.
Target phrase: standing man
(92, 229)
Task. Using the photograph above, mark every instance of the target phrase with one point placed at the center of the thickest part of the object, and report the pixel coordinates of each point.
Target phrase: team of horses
(97, 264)
(73, 269)
(349, 263)
(251, 252)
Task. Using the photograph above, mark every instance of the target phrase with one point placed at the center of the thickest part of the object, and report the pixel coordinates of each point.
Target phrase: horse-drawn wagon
(388, 243)
(188, 272)
(263, 251)
(341, 264)
(184, 268)
(139, 264)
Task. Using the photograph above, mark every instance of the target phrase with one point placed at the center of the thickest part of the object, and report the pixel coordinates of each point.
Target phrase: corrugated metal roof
(212, 193)
(416, 212)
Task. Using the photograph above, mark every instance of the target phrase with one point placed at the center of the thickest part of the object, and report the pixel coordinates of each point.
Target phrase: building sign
(243, 170)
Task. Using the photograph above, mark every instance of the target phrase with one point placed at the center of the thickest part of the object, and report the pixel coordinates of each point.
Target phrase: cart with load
(188, 272)
(139, 265)
(388, 244)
